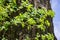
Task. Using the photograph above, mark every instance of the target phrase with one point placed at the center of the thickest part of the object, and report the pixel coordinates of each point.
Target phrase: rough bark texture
(20, 33)
(47, 5)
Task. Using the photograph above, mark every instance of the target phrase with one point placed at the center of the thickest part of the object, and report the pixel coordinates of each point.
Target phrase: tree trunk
(46, 4)
(17, 32)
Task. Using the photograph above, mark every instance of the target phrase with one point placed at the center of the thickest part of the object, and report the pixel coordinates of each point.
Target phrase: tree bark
(20, 33)
(46, 4)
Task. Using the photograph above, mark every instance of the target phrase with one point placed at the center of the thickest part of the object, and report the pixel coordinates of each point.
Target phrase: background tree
(26, 20)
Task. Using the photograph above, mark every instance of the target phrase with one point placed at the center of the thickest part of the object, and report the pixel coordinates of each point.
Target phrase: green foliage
(31, 21)
(37, 36)
(48, 36)
(47, 23)
(4, 38)
(27, 37)
(51, 13)
(30, 18)
(3, 13)
(41, 26)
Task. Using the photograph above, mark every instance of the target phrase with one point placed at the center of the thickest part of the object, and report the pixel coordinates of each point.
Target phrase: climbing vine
(28, 18)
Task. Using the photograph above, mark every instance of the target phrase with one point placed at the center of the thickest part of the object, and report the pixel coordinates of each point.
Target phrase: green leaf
(29, 7)
(23, 24)
(41, 26)
(51, 13)
(43, 37)
(47, 23)
(31, 21)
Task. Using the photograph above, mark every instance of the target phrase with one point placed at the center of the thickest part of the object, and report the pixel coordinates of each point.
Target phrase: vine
(29, 19)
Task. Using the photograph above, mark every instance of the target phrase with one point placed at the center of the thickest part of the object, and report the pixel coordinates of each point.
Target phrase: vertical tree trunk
(46, 4)
(37, 4)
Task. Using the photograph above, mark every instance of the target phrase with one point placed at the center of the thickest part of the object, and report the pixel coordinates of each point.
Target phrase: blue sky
(56, 8)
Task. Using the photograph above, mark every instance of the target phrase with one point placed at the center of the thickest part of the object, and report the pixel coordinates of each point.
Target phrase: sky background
(56, 8)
